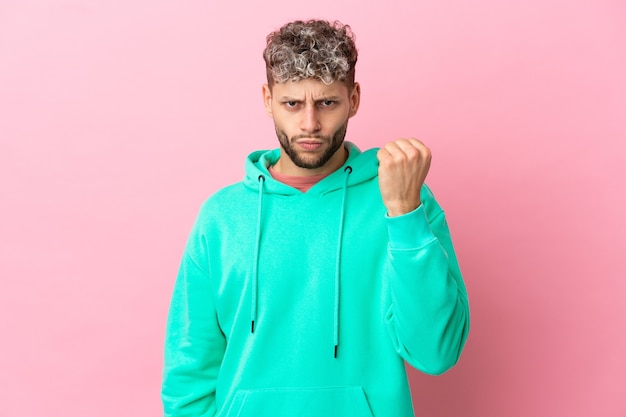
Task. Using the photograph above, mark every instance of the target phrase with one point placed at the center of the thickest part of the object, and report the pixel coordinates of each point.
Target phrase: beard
(300, 159)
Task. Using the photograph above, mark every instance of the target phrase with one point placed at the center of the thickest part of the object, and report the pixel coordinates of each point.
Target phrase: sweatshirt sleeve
(194, 342)
(426, 308)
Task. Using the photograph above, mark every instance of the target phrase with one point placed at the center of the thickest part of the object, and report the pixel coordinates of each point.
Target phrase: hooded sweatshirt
(309, 304)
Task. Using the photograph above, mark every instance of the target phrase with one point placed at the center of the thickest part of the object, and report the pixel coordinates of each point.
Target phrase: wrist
(399, 209)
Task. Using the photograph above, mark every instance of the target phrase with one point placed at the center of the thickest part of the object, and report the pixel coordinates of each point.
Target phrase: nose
(310, 120)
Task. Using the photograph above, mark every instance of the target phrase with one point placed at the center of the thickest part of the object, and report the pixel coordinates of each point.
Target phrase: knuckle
(399, 157)
(412, 152)
(391, 145)
(386, 163)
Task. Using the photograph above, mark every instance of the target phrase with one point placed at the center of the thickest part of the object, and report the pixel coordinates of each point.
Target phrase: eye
(327, 103)
(290, 104)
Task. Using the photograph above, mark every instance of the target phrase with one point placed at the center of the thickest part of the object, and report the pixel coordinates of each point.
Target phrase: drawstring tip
(252, 330)
(336, 351)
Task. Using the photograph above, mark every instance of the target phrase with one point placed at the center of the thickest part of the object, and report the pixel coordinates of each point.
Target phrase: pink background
(118, 118)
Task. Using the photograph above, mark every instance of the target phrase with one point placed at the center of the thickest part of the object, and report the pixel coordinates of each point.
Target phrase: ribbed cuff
(410, 230)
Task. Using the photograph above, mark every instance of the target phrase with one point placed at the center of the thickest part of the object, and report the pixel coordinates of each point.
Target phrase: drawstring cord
(348, 171)
(255, 277)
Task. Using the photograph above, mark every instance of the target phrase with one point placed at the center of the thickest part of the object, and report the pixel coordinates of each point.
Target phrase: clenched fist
(404, 164)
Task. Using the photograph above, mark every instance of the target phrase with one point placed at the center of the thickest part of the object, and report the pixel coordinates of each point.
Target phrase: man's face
(311, 119)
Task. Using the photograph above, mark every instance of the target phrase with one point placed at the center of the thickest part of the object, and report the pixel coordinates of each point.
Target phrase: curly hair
(311, 49)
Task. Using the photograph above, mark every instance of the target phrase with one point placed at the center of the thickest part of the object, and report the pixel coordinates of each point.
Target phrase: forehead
(309, 87)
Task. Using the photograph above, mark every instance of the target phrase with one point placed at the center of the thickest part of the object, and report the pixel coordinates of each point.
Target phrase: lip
(310, 145)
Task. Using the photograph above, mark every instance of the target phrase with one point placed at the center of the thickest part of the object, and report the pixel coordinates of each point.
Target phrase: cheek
(282, 127)
(335, 122)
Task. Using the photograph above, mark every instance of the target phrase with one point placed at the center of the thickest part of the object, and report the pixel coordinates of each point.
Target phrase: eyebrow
(323, 98)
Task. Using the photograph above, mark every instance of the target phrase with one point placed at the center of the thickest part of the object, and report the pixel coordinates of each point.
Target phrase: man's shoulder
(231, 192)
(226, 199)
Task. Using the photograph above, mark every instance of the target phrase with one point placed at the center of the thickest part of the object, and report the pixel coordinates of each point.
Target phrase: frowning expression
(311, 119)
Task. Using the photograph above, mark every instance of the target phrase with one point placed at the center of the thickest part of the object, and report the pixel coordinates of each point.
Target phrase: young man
(304, 288)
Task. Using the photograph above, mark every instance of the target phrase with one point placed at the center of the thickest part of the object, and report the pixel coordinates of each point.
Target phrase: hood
(364, 167)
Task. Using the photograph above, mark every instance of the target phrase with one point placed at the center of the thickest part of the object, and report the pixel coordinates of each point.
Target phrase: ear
(267, 99)
(355, 99)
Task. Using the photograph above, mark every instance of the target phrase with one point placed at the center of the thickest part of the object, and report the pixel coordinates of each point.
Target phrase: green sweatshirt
(308, 304)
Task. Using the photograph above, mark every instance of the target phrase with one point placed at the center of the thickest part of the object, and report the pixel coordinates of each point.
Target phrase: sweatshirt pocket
(299, 402)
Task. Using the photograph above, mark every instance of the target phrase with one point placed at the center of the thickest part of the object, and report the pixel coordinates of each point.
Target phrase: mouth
(309, 144)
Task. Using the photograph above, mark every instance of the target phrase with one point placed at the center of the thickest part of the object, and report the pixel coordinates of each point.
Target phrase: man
(305, 287)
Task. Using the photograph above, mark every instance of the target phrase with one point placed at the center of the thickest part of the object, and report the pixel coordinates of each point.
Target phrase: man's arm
(194, 343)
(426, 308)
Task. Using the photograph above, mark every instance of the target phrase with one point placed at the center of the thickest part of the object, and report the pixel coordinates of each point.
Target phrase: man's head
(311, 93)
